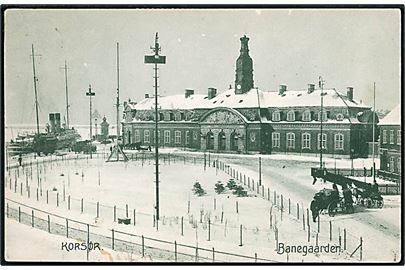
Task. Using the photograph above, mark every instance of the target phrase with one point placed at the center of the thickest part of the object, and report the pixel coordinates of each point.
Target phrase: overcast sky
(293, 47)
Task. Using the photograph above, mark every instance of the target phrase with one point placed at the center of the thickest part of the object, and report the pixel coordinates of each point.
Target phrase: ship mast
(35, 87)
(67, 96)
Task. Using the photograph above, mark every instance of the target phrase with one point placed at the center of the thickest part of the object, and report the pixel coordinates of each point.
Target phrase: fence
(283, 206)
(119, 240)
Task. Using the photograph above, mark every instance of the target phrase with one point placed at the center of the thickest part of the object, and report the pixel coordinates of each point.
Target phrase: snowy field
(212, 220)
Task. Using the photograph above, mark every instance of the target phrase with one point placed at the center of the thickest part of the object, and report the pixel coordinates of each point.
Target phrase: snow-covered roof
(174, 102)
(251, 99)
(393, 117)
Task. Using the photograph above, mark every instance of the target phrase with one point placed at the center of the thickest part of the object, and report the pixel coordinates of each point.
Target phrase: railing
(120, 240)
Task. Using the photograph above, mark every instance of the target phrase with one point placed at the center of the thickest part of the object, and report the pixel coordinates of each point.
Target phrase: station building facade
(245, 119)
(390, 145)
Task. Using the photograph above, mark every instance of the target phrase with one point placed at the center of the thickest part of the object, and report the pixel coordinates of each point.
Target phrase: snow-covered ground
(132, 183)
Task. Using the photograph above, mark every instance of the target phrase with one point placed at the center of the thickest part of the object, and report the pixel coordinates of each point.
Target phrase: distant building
(104, 129)
(248, 120)
(390, 145)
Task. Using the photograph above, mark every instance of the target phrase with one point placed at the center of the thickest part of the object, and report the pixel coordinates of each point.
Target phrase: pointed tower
(244, 68)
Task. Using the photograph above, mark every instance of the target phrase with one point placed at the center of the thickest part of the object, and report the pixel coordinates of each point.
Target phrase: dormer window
(306, 116)
(275, 116)
(340, 117)
(291, 116)
(324, 118)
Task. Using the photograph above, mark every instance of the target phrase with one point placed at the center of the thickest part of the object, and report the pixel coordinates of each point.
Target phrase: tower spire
(244, 68)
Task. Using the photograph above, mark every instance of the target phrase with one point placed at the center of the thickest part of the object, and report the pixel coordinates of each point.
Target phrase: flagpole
(374, 134)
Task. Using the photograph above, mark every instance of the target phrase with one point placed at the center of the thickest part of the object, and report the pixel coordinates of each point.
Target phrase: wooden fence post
(32, 218)
(112, 239)
(69, 202)
(126, 210)
(255, 257)
(289, 206)
(175, 251)
(57, 199)
(67, 228)
(330, 230)
(237, 208)
(268, 194)
(213, 255)
(8, 211)
(134, 217)
(47, 197)
(344, 239)
(309, 233)
(98, 209)
(49, 224)
(319, 223)
(209, 230)
(298, 211)
(303, 221)
(115, 213)
(215, 203)
(182, 229)
(361, 248)
(81, 206)
(240, 234)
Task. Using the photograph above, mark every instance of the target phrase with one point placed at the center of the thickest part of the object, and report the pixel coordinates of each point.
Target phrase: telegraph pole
(35, 86)
(156, 59)
(90, 94)
(374, 134)
(118, 98)
(321, 83)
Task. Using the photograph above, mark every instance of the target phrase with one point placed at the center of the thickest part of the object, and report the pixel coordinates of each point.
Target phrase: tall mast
(374, 132)
(67, 96)
(321, 82)
(118, 96)
(35, 87)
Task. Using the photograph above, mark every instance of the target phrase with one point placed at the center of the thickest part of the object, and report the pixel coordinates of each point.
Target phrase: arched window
(306, 116)
(306, 141)
(339, 141)
(234, 141)
(291, 116)
(275, 116)
(325, 116)
(210, 140)
(221, 141)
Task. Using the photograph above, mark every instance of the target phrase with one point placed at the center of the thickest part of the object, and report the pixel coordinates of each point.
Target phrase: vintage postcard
(202, 135)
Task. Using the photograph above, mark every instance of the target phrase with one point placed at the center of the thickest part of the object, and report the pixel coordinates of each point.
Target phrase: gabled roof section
(393, 117)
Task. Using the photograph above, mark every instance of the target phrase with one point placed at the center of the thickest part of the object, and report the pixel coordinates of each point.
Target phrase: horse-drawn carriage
(332, 202)
(369, 198)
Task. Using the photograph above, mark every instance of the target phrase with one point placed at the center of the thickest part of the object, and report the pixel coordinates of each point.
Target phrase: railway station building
(246, 119)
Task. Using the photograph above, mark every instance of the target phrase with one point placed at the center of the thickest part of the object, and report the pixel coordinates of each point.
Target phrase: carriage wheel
(332, 209)
(380, 203)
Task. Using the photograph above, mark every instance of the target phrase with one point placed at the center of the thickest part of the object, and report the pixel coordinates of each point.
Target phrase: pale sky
(294, 47)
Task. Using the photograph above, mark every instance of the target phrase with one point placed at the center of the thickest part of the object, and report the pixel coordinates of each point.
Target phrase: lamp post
(321, 83)
(156, 59)
(90, 94)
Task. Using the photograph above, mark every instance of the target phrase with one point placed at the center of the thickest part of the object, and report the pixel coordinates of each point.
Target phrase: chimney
(311, 88)
(212, 92)
(188, 92)
(146, 95)
(282, 89)
(350, 93)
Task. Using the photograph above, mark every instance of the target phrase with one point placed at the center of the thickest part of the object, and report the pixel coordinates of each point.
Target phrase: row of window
(306, 116)
(306, 141)
(391, 138)
(166, 136)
